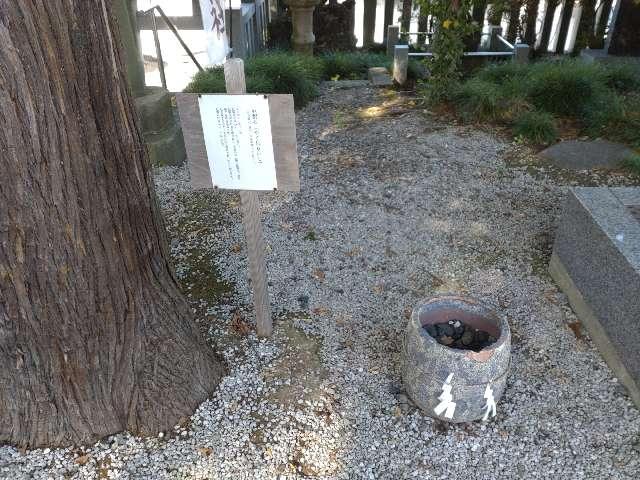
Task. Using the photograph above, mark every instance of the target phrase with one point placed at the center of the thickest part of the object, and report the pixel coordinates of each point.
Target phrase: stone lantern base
(160, 127)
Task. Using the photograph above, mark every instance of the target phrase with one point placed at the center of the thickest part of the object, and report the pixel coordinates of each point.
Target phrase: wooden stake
(250, 206)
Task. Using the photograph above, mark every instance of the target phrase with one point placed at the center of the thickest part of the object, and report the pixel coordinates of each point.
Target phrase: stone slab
(596, 262)
(379, 77)
(586, 155)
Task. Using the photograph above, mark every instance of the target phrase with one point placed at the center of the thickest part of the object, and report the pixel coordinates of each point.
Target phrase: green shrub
(598, 113)
(504, 72)
(272, 72)
(353, 65)
(287, 73)
(211, 80)
(537, 127)
(564, 87)
(478, 100)
(632, 162)
(623, 76)
(626, 127)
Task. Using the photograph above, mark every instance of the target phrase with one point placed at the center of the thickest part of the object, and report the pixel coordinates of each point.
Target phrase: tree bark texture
(565, 20)
(585, 35)
(530, 18)
(423, 24)
(388, 17)
(95, 335)
(625, 39)
(514, 20)
(601, 28)
(405, 19)
(478, 10)
(369, 22)
(549, 13)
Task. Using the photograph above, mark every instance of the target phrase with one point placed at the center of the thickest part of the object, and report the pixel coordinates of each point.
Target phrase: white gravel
(393, 208)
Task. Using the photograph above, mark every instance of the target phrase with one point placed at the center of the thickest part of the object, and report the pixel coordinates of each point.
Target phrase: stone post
(369, 22)
(495, 45)
(521, 53)
(302, 20)
(400, 63)
(393, 35)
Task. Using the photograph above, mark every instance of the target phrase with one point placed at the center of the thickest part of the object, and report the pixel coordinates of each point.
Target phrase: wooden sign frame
(283, 134)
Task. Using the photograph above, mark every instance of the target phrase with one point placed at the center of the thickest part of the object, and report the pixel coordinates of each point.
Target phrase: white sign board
(237, 137)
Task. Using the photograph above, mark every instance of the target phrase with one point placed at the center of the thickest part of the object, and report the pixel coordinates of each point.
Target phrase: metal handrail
(504, 40)
(465, 54)
(156, 39)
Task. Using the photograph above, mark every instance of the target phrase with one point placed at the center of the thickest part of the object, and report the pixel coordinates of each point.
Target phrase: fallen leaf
(205, 451)
(318, 274)
(83, 459)
(237, 248)
(378, 289)
(576, 328)
(238, 325)
(320, 311)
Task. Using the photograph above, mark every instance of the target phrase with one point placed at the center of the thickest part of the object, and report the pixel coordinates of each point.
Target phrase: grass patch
(274, 72)
(299, 75)
(603, 100)
(537, 127)
(632, 163)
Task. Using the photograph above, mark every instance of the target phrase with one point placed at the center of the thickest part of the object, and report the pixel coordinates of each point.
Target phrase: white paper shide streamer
(446, 405)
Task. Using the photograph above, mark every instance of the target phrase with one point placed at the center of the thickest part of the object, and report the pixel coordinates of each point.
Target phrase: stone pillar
(369, 22)
(521, 53)
(302, 20)
(495, 45)
(160, 129)
(400, 63)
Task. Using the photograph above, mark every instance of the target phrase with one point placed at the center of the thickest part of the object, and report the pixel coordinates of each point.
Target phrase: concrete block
(379, 77)
(596, 262)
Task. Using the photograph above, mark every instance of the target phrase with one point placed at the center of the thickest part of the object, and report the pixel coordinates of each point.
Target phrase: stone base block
(379, 77)
(596, 263)
(160, 127)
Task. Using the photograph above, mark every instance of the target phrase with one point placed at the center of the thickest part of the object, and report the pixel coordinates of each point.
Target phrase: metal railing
(401, 54)
(248, 28)
(505, 42)
(156, 39)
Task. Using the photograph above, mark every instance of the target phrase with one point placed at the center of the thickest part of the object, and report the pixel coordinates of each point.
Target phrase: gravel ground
(395, 206)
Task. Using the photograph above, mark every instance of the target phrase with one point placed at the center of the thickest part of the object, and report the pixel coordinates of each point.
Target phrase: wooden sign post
(227, 140)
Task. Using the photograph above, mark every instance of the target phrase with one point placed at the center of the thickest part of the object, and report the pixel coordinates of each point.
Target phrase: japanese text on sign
(237, 136)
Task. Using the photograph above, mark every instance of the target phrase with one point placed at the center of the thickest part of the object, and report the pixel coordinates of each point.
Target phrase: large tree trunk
(549, 13)
(625, 38)
(586, 26)
(95, 336)
(496, 11)
(603, 20)
(388, 17)
(369, 22)
(405, 19)
(530, 19)
(565, 20)
(514, 20)
(472, 42)
(423, 24)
